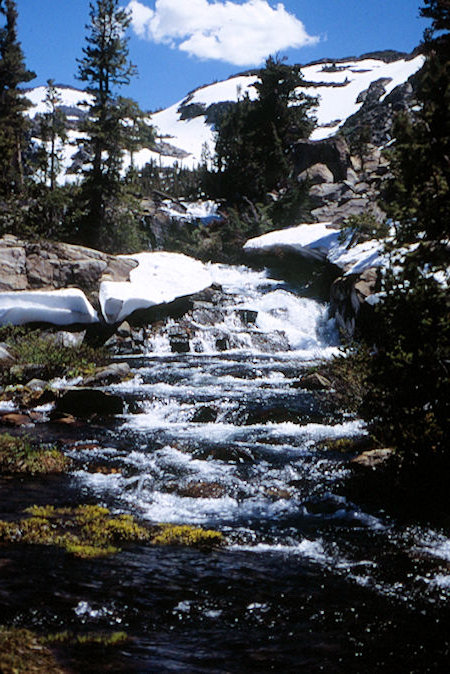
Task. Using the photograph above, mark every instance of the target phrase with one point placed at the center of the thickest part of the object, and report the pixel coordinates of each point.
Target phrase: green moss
(90, 532)
(171, 534)
(84, 551)
(92, 638)
(20, 455)
(85, 531)
(22, 653)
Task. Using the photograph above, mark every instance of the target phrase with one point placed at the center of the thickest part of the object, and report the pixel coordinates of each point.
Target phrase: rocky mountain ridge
(345, 87)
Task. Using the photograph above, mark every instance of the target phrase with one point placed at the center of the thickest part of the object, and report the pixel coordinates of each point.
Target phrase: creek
(224, 437)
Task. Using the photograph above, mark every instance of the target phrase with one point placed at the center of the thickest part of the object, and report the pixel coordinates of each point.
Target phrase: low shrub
(363, 227)
(30, 347)
(21, 455)
(348, 374)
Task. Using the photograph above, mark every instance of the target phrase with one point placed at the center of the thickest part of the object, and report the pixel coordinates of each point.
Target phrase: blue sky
(179, 45)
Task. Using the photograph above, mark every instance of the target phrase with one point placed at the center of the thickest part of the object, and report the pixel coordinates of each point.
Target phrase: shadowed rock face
(332, 153)
(52, 266)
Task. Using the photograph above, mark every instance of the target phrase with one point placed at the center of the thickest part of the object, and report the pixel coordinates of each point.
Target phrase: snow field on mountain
(337, 91)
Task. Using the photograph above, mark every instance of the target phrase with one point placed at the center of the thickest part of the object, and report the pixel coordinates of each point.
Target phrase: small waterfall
(253, 314)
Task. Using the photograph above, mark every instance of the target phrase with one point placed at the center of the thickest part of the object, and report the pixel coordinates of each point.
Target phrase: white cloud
(241, 34)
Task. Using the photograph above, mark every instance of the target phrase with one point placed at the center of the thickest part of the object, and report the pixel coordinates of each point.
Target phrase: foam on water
(271, 486)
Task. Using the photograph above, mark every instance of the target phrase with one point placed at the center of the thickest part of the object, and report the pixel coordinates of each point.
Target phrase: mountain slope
(186, 129)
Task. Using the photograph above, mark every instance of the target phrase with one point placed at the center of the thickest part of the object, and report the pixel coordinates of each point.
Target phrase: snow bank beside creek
(60, 307)
(158, 279)
(319, 241)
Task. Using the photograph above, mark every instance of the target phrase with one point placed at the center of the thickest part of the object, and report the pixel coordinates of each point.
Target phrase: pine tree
(104, 67)
(254, 139)
(419, 197)
(53, 134)
(138, 132)
(13, 124)
(439, 13)
(408, 401)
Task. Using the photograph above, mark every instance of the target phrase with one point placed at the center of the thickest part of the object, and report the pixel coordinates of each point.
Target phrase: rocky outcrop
(49, 265)
(340, 184)
(348, 304)
(332, 153)
(378, 111)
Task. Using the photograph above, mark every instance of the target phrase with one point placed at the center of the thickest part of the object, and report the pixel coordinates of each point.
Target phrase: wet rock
(202, 490)
(325, 505)
(247, 316)
(85, 402)
(314, 382)
(278, 413)
(278, 494)
(205, 314)
(179, 341)
(372, 459)
(227, 454)
(138, 336)
(84, 446)
(14, 419)
(205, 415)
(346, 445)
(270, 342)
(222, 344)
(110, 374)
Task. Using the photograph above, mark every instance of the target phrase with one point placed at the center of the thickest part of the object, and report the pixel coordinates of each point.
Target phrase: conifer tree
(254, 139)
(53, 134)
(13, 124)
(105, 67)
(408, 401)
(418, 199)
(137, 132)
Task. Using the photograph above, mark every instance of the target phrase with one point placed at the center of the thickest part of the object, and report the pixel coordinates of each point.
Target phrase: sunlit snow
(320, 241)
(60, 307)
(159, 278)
(338, 92)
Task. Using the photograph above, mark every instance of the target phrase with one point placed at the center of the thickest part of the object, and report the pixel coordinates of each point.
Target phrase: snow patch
(60, 307)
(159, 278)
(321, 241)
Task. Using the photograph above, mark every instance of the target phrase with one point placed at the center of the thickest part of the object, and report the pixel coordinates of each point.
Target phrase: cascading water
(223, 436)
(227, 425)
